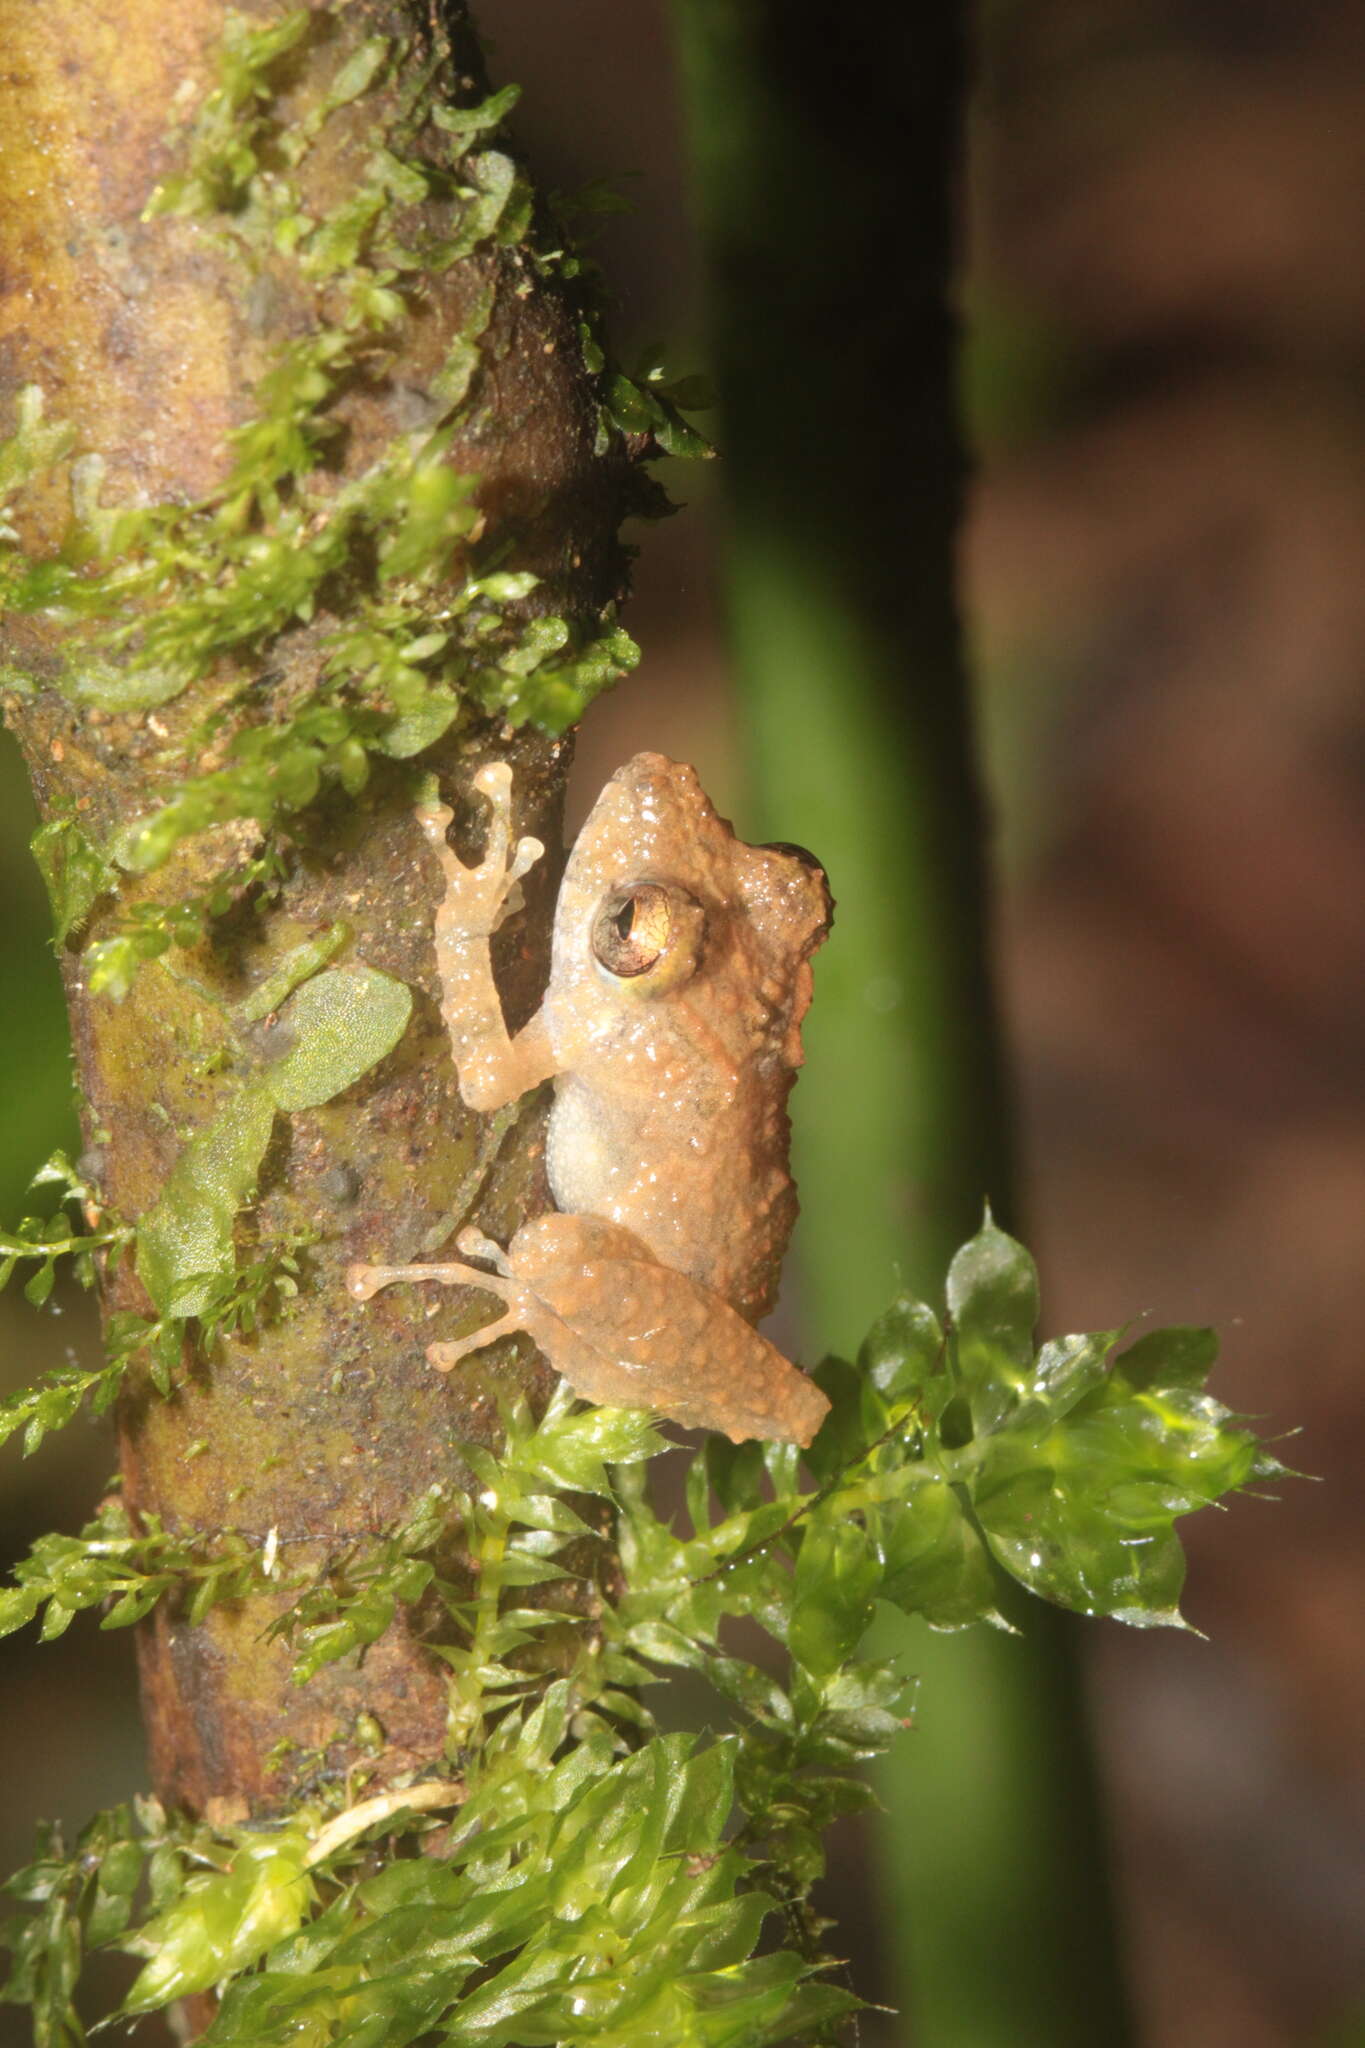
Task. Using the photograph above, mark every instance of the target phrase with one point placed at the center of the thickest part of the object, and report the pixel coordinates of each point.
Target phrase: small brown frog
(680, 972)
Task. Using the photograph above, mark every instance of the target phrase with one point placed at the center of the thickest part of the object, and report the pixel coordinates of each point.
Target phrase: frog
(680, 974)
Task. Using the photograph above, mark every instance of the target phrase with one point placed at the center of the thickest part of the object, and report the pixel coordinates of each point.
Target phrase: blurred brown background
(1166, 580)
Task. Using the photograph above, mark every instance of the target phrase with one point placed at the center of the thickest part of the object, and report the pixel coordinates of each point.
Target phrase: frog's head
(659, 890)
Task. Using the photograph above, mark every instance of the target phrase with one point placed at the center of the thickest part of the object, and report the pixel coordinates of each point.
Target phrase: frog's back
(681, 975)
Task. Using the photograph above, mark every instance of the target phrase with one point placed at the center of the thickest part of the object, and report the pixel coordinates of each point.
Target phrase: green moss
(43, 1240)
(35, 447)
(153, 599)
(125, 1570)
(601, 1866)
(222, 156)
(148, 930)
(74, 870)
(331, 1031)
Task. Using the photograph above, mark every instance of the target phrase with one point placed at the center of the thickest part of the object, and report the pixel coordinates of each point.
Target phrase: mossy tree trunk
(150, 336)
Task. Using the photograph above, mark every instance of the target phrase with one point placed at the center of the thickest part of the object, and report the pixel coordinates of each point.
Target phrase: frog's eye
(648, 930)
(633, 929)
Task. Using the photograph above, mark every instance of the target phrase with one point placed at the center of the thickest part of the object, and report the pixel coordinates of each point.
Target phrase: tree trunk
(150, 336)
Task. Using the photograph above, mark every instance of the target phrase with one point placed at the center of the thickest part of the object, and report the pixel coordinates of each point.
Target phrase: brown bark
(148, 337)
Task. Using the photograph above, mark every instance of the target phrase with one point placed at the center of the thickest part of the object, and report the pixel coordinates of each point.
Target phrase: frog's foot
(523, 1307)
(363, 1282)
(523, 1310)
(479, 898)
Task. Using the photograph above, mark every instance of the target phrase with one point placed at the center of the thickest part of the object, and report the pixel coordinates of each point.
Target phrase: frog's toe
(475, 1245)
(364, 1282)
(528, 852)
(445, 1357)
(494, 780)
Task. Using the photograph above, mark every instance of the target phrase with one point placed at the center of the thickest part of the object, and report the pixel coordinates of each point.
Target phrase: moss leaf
(223, 1920)
(75, 871)
(993, 1300)
(339, 1025)
(184, 1245)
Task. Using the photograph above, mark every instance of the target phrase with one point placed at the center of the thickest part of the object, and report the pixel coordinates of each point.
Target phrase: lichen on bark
(347, 488)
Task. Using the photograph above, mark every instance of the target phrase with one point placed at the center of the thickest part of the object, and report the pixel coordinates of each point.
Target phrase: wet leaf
(934, 1560)
(223, 1921)
(904, 1355)
(1083, 1511)
(836, 1579)
(1181, 1356)
(993, 1300)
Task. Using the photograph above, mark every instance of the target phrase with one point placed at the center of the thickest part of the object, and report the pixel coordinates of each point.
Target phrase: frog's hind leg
(523, 1310)
(590, 1372)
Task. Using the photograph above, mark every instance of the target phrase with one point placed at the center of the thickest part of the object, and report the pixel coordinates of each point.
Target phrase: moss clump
(376, 590)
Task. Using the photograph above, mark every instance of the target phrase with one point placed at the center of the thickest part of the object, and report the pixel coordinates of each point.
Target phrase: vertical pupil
(625, 918)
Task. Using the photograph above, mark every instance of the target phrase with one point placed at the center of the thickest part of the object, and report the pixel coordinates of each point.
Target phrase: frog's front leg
(493, 1068)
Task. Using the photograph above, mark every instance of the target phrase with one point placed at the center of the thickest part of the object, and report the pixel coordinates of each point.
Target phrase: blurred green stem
(825, 171)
